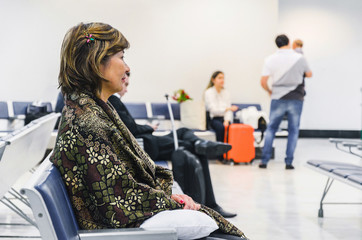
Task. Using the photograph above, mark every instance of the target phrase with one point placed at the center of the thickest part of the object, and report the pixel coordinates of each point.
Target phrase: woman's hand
(186, 201)
(234, 108)
(226, 123)
(154, 126)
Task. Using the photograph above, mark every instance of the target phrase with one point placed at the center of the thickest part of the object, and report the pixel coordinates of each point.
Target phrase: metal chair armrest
(129, 234)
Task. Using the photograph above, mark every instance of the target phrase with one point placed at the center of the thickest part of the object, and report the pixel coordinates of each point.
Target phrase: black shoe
(289, 167)
(262, 165)
(223, 213)
(211, 149)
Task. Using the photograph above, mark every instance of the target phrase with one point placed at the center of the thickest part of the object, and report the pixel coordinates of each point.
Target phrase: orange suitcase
(241, 138)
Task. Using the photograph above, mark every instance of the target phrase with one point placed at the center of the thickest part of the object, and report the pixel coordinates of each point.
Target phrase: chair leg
(325, 191)
(320, 212)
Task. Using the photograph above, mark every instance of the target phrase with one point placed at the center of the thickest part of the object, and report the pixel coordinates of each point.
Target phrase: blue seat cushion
(20, 107)
(58, 204)
(161, 109)
(4, 111)
(137, 110)
(317, 163)
(331, 167)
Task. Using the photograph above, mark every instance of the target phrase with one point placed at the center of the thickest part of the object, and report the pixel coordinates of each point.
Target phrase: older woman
(111, 181)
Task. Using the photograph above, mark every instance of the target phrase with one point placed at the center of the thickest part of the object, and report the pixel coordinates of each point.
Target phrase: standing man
(286, 69)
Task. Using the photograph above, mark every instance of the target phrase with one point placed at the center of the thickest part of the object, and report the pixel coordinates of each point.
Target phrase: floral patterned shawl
(111, 181)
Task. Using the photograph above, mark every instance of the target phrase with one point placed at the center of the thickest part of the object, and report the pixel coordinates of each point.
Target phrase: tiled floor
(280, 204)
(272, 203)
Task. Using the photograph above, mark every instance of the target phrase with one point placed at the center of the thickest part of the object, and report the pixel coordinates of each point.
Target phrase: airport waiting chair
(4, 110)
(55, 218)
(161, 110)
(8, 122)
(25, 148)
(20, 108)
(4, 117)
(137, 110)
(344, 172)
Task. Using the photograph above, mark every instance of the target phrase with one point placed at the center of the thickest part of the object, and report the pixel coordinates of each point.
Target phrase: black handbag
(34, 111)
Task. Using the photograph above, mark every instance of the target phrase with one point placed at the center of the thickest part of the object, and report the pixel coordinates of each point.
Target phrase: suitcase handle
(226, 139)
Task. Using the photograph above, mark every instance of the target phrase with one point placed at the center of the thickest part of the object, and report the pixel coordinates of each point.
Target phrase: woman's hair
(213, 76)
(85, 47)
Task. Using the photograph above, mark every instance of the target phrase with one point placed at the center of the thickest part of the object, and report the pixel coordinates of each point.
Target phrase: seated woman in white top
(218, 103)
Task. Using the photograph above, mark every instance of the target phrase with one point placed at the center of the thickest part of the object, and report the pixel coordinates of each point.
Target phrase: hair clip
(89, 37)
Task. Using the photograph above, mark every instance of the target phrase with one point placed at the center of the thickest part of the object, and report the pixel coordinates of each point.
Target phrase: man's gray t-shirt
(286, 69)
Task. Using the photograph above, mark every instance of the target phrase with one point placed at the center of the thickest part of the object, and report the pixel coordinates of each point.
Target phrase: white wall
(331, 31)
(179, 43)
(174, 44)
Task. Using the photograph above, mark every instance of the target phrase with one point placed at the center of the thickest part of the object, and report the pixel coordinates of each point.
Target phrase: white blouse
(216, 103)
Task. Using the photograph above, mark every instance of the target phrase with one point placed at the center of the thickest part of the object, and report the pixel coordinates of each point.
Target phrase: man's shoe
(223, 213)
(211, 149)
(262, 165)
(289, 167)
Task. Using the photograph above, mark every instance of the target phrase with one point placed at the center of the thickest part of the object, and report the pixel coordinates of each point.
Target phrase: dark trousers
(217, 124)
(187, 139)
(209, 193)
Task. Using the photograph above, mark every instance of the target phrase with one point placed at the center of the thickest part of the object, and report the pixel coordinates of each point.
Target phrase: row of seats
(20, 151)
(23, 149)
(144, 110)
(10, 110)
(15, 109)
(12, 114)
(348, 173)
(147, 110)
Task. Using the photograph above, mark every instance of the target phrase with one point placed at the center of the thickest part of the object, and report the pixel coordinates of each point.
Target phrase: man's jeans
(279, 108)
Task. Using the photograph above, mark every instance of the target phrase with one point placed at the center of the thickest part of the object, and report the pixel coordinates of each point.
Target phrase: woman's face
(124, 86)
(114, 70)
(219, 81)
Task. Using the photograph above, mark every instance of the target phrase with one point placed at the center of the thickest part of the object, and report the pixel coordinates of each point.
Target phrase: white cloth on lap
(189, 224)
